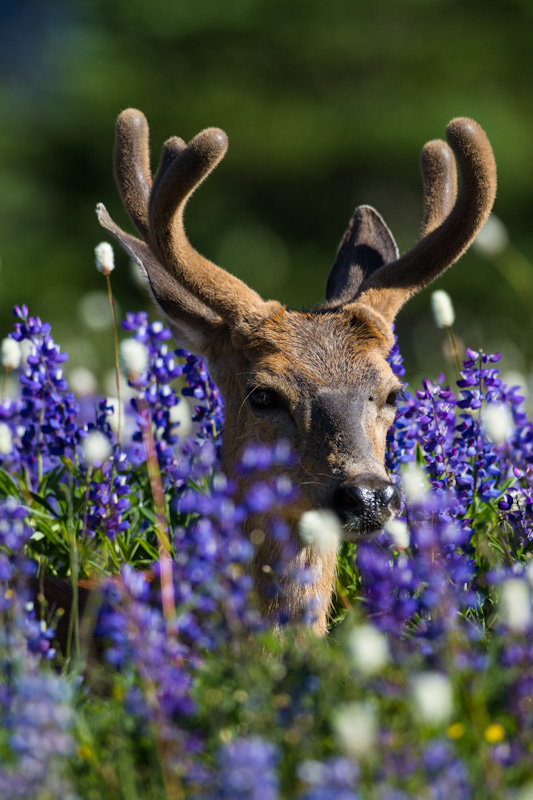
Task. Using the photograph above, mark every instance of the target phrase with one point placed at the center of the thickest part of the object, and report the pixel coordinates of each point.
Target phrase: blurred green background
(326, 106)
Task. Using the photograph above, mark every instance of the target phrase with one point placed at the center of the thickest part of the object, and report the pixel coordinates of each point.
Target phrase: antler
(368, 243)
(440, 183)
(389, 287)
(184, 283)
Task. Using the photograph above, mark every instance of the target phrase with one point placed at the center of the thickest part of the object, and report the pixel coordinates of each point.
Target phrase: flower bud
(498, 422)
(104, 258)
(96, 449)
(400, 533)
(133, 357)
(493, 238)
(6, 439)
(320, 529)
(368, 649)
(356, 729)
(443, 313)
(515, 604)
(11, 354)
(433, 697)
(82, 382)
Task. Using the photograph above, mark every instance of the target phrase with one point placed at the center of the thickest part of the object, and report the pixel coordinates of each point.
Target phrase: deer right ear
(366, 246)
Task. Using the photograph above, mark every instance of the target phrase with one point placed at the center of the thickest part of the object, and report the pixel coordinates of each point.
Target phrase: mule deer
(317, 378)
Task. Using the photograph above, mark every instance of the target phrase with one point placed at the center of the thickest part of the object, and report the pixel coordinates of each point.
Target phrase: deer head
(317, 378)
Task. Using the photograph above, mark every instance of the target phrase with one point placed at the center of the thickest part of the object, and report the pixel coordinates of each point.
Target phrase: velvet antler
(388, 288)
(368, 243)
(195, 294)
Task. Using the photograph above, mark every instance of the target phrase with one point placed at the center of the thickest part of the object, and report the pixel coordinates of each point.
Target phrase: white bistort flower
(133, 357)
(498, 422)
(112, 402)
(400, 533)
(96, 449)
(104, 258)
(415, 484)
(433, 697)
(441, 305)
(180, 414)
(11, 354)
(515, 604)
(492, 238)
(356, 729)
(320, 528)
(368, 649)
(27, 348)
(82, 382)
(6, 439)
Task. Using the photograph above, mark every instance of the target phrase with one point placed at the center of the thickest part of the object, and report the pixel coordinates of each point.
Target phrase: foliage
(326, 107)
(424, 685)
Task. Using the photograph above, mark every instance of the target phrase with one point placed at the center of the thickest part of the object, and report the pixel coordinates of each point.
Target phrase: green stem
(455, 350)
(117, 370)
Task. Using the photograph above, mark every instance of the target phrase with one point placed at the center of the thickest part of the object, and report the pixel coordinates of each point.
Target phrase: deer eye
(263, 399)
(393, 397)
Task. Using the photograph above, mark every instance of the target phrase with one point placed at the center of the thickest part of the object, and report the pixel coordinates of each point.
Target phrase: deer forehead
(320, 350)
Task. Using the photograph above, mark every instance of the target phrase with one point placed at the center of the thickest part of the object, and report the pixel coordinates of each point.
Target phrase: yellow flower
(456, 730)
(494, 733)
(85, 752)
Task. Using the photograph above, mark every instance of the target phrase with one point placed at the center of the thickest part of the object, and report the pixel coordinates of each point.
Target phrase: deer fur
(319, 378)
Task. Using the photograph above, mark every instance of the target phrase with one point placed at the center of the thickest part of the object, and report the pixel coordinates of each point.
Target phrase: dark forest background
(326, 106)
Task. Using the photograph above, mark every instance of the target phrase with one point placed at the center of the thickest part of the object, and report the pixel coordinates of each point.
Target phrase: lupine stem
(156, 484)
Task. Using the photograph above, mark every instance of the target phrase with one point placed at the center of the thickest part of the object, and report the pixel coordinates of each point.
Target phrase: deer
(317, 378)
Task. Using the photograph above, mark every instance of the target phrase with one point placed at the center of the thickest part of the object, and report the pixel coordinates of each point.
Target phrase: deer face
(321, 382)
(320, 378)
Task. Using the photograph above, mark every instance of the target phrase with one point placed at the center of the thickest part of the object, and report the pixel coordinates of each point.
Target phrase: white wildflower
(104, 257)
(529, 572)
(498, 422)
(368, 649)
(414, 483)
(6, 439)
(493, 238)
(441, 305)
(95, 312)
(27, 348)
(525, 792)
(400, 533)
(113, 403)
(133, 357)
(515, 604)
(96, 449)
(321, 529)
(11, 354)
(82, 382)
(432, 694)
(180, 414)
(355, 727)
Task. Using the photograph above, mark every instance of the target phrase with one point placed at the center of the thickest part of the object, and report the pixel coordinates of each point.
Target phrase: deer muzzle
(366, 505)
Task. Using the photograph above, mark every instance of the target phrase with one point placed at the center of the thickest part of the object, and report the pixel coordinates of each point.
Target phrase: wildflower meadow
(175, 687)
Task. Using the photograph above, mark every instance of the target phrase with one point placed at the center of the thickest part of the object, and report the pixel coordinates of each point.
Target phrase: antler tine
(440, 183)
(132, 166)
(182, 170)
(387, 289)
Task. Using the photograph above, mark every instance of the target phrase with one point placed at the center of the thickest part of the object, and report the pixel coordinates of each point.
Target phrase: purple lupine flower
(248, 770)
(332, 779)
(45, 418)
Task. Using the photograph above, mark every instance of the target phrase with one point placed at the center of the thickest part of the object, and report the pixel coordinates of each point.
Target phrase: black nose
(366, 506)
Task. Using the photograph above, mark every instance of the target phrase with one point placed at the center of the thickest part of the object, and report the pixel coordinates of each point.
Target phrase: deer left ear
(366, 246)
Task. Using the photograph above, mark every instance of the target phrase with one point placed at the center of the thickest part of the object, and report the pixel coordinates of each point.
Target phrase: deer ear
(366, 246)
(192, 323)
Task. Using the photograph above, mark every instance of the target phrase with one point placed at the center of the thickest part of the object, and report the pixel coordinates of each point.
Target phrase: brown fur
(324, 374)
